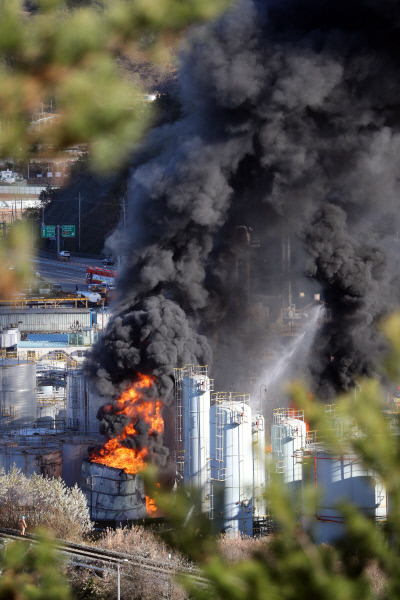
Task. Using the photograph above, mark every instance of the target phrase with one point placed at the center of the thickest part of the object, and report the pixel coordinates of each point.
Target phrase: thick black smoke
(291, 127)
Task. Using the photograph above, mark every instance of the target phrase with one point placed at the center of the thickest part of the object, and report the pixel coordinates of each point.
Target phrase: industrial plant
(50, 414)
(258, 242)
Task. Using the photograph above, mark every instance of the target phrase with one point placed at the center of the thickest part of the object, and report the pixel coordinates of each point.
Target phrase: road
(69, 274)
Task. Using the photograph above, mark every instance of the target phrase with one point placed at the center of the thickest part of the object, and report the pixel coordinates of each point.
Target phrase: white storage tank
(338, 478)
(17, 392)
(196, 436)
(232, 460)
(288, 438)
(259, 466)
(10, 337)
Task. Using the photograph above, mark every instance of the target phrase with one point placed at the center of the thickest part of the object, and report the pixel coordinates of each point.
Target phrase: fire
(150, 506)
(131, 404)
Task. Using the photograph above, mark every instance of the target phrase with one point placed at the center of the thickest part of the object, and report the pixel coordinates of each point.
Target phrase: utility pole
(79, 220)
(58, 240)
(124, 212)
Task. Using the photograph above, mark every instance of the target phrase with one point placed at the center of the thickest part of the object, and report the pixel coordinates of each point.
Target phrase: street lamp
(124, 560)
(86, 566)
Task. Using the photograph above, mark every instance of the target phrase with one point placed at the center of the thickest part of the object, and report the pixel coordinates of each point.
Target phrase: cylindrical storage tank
(17, 392)
(258, 439)
(82, 404)
(231, 422)
(46, 390)
(196, 436)
(52, 410)
(112, 494)
(10, 337)
(288, 437)
(338, 478)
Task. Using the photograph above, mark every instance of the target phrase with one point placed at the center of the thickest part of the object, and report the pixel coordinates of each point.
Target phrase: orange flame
(151, 506)
(114, 453)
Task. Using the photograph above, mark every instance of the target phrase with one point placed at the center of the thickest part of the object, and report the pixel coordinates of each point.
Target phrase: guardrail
(46, 302)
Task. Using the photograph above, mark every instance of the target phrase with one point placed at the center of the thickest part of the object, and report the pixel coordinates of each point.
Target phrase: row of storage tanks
(302, 460)
(222, 458)
(220, 452)
(42, 432)
(19, 406)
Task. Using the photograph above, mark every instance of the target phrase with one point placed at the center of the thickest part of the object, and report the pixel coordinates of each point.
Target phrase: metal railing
(21, 303)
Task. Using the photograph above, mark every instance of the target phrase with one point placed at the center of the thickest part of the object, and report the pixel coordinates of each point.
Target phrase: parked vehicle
(57, 288)
(94, 298)
(108, 261)
(64, 255)
(106, 291)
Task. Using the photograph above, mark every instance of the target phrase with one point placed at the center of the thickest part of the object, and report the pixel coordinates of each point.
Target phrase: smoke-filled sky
(291, 126)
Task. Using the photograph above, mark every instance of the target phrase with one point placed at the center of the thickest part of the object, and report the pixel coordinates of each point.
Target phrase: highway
(69, 274)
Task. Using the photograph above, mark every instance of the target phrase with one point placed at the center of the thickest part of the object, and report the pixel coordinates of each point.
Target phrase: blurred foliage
(15, 269)
(64, 55)
(61, 85)
(31, 572)
(363, 563)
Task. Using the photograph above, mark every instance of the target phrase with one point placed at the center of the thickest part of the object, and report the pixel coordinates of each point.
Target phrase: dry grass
(236, 550)
(138, 583)
(377, 578)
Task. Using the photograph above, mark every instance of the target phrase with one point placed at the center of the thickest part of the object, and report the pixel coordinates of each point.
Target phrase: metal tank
(17, 392)
(288, 438)
(10, 337)
(259, 467)
(192, 431)
(82, 404)
(112, 494)
(232, 460)
(196, 436)
(338, 478)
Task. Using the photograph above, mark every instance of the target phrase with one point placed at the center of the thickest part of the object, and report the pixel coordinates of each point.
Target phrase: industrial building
(45, 320)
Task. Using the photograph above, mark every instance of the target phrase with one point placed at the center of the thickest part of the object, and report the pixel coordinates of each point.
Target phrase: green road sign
(48, 231)
(68, 230)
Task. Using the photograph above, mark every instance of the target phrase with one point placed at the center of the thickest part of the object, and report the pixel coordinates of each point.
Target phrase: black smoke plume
(291, 128)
